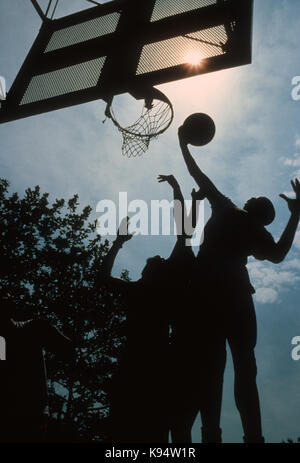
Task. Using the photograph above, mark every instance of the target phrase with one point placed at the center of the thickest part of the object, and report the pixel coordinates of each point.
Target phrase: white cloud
(297, 240)
(297, 141)
(269, 280)
(271, 276)
(292, 264)
(266, 295)
(292, 162)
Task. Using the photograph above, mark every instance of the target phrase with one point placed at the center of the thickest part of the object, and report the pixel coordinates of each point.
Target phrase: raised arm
(109, 259)
(285, 242)
(122, 237)
(180, 214)
(207, 187)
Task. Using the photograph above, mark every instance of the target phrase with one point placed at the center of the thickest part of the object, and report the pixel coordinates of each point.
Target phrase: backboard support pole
(48, 7)
(39, 10)
(95, 3)
(53, 12)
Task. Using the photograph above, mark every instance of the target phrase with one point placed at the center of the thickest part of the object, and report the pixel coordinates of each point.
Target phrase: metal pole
(93, 1)
(39, 10)
(54, 9)
(48, 8)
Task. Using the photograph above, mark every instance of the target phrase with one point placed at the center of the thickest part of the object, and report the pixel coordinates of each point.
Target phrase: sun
(193, 58)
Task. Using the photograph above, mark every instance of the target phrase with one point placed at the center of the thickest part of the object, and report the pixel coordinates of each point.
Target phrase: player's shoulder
(228, 203)
(222, 204)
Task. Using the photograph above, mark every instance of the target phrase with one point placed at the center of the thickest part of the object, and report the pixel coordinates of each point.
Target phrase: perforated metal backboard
(124, 45)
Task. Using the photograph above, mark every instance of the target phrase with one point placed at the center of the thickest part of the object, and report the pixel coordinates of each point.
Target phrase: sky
(256, 151)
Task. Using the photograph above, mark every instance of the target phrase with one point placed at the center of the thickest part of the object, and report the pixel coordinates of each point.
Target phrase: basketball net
(157, 115)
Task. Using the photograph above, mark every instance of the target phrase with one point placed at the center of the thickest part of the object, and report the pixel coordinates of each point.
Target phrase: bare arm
(122, 237)
(171, 180)
(109, 260)
(207, 187)
(179, 215)
(182, 219)
(285, 242)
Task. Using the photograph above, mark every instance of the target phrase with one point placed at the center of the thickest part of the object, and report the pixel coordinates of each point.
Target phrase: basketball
(198, 129)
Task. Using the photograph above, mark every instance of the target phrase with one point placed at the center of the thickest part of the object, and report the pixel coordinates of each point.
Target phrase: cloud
(292, 162)
(297, 240)
(270, 281)
(292, 263)
(266, 295)
(289, 162)
(297, 141)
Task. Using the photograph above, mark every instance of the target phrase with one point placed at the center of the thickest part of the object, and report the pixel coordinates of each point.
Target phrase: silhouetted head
(261, 210)
(153, 268)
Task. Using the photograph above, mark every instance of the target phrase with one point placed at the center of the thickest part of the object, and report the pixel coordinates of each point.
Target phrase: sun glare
(193, 58)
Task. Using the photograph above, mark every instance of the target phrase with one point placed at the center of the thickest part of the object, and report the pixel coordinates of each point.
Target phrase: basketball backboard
(125, 45)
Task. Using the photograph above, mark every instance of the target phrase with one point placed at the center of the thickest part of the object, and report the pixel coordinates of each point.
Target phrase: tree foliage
(50, 256)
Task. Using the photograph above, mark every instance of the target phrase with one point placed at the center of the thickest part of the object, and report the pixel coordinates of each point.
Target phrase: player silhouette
(140, 410)
(24, 404)
(185, 379)
(138, 400)
(230, 236)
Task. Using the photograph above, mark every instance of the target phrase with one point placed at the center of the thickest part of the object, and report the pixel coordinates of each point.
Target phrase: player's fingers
(123, 221)
(293, 185)
(284, 197)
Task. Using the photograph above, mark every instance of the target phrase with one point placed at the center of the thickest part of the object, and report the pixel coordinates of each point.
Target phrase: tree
(50, 255)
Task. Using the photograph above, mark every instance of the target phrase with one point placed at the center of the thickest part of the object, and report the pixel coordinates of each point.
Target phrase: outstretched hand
(293, 203)
(123, 234)
(170, 179)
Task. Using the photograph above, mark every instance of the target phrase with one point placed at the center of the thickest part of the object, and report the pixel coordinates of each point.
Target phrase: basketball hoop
(157, 115)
